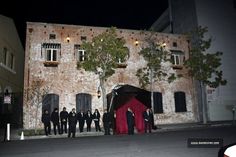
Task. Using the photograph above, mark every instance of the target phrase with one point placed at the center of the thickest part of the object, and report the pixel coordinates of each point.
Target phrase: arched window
(158, 106)
(50, 101)
(180, 102)
(83, 102)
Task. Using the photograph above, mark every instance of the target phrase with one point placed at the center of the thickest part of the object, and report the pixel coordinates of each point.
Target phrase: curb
(160, 128)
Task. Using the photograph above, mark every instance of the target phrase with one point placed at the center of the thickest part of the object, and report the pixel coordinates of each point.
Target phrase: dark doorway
(180, 102)
(50, 101)
(83, 102)
(157, 99)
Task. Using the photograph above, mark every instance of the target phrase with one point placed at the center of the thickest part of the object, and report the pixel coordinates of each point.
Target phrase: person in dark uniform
(81, 119)
(106, 122)
(89, 118)
(152, 119)
(72, 123)
(46, 121)
(130, 121)
(114, 122)
(64, 120)
(55, 121)
(96, 119)
(147, 120)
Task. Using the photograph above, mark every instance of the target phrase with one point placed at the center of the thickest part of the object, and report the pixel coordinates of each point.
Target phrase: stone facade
(66, 81)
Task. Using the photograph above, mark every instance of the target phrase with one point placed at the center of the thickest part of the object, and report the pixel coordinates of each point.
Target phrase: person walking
(72, 123)
(147, 120)
(89, 118)
(55, 121)
(64, 119)
(46, 121)
(81, 118)
(106, 122)
(130, 121)
(96, 119)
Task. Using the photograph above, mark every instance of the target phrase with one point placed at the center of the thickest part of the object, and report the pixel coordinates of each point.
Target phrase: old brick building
(52, 53)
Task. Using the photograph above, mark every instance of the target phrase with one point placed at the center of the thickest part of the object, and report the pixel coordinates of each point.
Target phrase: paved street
(163, 144)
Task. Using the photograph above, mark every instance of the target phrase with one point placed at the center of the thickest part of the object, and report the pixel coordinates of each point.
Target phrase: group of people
(147, 117)
(63, 119)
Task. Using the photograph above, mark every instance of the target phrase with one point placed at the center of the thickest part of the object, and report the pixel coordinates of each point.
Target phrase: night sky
(128, 14)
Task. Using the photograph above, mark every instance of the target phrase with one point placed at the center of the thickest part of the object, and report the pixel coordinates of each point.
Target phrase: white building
(220, 18)
(11, 72)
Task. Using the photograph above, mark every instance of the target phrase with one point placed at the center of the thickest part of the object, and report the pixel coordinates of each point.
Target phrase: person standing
(130, 121)
(147, 120)
(46, 121)
(106, 122)
(64, 120)
(114, 122)
(55, 121)
(72, 123)
(89, 119)
(96, 119)
(81, 119)
(152, 119)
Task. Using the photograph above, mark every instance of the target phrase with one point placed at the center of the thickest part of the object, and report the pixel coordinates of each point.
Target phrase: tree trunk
(203, 101)
(151, 89)
(36, 120)
(104, 98)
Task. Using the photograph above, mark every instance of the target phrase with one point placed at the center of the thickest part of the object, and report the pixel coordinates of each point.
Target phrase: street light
(136, 42)
(98, 93)
(68, 39)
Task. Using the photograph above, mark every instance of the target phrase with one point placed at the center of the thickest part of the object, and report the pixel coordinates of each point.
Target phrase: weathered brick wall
(66, 81)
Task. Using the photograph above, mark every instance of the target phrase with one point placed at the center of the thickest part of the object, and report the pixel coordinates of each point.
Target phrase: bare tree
(34, 96)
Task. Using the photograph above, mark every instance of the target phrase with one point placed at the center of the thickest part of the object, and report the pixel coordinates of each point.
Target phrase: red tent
(138, 108)
(124, 96)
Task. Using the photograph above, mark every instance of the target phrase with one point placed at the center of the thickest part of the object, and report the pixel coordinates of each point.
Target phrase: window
(83, 38)
(52, 36)
(7, 60)
(177, 57)
(51, 51)
(174, 44)
(180, 102)
(5, 55)
(80, 53)
(51, 55)
(158, 106)
(12, 59)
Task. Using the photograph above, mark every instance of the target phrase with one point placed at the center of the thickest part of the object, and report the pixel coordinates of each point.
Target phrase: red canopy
(138, 108)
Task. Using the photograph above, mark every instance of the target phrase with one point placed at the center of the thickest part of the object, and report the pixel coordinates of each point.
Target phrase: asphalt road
(160, 144)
